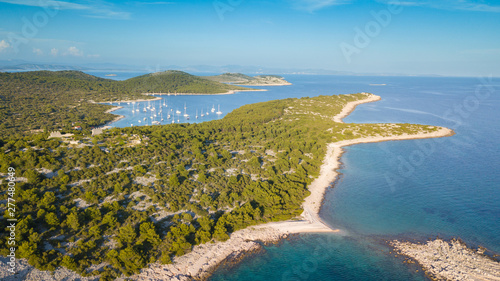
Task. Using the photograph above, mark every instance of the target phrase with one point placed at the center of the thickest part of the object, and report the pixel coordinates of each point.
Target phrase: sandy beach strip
(204, 259)
(349, 107)
(200, 263)
(113, 109)
(120, 101)
(328, 173)
(230, 92)
(118, 117)
(137, 100)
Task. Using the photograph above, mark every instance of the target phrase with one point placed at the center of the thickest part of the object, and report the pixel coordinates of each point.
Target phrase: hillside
(50, 100)
(230, 78)
(177, 81)
(133, 196)
(242, 79)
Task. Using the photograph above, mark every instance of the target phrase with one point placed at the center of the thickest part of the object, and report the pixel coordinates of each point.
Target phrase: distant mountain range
(32, 66)
(21, 65)
(242, 79)
(174, 81)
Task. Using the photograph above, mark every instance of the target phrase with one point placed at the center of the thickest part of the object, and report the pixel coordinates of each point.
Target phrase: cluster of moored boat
(156, 111)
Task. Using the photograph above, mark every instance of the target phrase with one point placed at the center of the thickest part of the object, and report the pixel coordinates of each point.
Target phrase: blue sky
(385, 36)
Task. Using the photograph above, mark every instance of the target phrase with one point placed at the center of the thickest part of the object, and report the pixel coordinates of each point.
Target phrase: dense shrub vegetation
(134, 196)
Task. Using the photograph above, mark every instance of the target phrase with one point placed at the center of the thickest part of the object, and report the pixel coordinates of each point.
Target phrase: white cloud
(37, 51)
(73, 51)
(4, 45)
(51, 4)
(464, 5)
(54, 52)
(477, 7)
(155, 3)
(100, 14)
(313, 5)
(98, 9)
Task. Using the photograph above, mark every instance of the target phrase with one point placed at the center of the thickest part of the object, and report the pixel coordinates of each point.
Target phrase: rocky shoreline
(451, 260)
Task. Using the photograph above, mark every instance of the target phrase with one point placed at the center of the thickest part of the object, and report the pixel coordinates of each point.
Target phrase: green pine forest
(242, 79)
(139, 195)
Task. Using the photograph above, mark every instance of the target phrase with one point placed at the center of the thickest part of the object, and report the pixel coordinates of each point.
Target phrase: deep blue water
(414, 189)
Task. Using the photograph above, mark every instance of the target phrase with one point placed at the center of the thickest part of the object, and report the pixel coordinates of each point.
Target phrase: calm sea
(413, 190)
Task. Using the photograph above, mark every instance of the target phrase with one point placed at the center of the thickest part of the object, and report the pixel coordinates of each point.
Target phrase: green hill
(69, 74)
(242, 79)
(230, 78)
(176, 81)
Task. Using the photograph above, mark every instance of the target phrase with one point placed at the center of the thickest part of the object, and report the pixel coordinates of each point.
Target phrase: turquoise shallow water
(415, 189)
(321, 257)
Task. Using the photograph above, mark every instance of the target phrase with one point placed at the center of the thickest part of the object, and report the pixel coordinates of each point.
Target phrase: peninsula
(204, 258)
(242, 79)
(173, 201)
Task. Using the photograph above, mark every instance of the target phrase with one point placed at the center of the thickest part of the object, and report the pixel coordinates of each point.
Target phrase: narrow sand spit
(349, 107)
(451, 260)
(204, 258)
(230, 92)
(328, 172)
(137, 100)
(117, 118)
